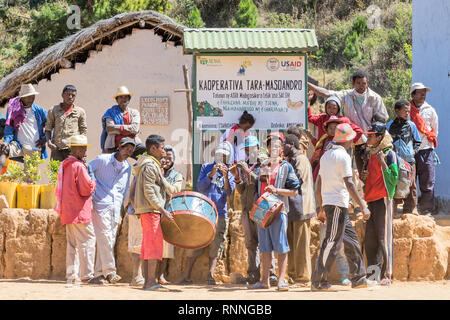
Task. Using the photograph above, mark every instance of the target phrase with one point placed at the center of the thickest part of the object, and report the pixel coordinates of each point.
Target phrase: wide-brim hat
(122, 91)
(27, 90)
(224, 148)
(344, 133)
(79, 141)
(417, 86)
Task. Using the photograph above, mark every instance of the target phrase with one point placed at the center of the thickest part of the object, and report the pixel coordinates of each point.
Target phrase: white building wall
(141, 62)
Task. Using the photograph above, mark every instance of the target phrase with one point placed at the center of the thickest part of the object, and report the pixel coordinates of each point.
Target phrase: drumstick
(173, 220)
(176, 225)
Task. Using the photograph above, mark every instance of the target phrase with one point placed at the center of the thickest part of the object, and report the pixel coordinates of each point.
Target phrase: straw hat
(79, 141)
(27, 90)
(122, 91)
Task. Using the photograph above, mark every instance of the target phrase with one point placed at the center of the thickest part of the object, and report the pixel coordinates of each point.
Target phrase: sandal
(157, 287)
(346, 282)
(386, 282)
(257, 285)
(113, 278)
(98, 280)
(185, 282)
(211, 282)
(282, 286)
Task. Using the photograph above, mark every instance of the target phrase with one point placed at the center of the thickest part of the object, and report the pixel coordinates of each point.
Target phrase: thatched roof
(75, 48)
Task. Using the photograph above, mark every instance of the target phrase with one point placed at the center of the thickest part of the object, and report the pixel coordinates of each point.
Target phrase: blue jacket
(406, 138)
(214, 189)
(114, 113)
(41, 117)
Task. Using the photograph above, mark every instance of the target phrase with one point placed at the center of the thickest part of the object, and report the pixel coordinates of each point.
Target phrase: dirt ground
(24, 289)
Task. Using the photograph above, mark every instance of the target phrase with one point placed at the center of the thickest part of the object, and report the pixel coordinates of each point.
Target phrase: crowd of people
(361, 163)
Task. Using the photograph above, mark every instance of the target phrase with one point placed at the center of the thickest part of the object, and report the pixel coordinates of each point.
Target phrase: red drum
(266, 210)
(196, 219)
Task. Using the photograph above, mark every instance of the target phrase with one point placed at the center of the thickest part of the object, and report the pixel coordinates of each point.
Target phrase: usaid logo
(273, 64)
(291, 65)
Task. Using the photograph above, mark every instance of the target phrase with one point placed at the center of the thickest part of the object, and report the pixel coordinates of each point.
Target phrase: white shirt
(335, 165)
(430, 117)
(28, 132)
(361, 115)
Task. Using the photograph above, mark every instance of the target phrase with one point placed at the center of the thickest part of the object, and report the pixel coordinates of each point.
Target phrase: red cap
(333, 119)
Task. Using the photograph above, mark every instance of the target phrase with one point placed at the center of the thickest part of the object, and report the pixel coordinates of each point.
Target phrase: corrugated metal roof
(249, 40)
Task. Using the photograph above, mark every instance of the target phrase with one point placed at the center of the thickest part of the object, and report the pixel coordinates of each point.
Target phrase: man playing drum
(175, 178)
(276, 177)
(149, 200)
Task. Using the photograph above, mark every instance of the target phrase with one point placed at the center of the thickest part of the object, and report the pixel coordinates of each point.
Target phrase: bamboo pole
(188, 90)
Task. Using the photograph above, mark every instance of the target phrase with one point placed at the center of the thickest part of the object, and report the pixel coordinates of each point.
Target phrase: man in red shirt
(73, 192)
(380, 181)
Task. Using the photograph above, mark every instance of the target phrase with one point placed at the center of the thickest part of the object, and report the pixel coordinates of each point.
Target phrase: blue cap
(251, 141)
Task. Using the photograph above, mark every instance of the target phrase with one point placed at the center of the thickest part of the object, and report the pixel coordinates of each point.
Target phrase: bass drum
(196, 219)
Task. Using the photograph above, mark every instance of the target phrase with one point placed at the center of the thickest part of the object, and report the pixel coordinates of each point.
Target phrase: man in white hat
(24, 130)
(64, 121)
(119, 122)
(426, 120)
(74, 205)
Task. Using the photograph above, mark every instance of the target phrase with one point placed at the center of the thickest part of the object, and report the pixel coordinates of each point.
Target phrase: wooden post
(188, 90)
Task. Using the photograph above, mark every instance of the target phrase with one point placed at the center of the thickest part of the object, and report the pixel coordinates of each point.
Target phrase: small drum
(266, 210)
(196, 217)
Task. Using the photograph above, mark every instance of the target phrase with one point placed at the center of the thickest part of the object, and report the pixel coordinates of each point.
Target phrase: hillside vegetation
(371, 35)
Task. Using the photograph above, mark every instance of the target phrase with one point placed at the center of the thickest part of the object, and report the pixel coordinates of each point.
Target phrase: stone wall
(33, 245)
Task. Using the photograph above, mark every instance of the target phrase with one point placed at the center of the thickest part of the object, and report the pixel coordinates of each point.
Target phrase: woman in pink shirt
(332, 108)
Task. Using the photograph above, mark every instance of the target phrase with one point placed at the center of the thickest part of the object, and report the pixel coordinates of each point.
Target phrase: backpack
(404, 150)
(405, 178)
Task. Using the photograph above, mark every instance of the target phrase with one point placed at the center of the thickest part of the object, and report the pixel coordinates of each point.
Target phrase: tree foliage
(247, 15)
(48, 26)
(49, 22)
(195, 19)
(346, 42)
(187, 13)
